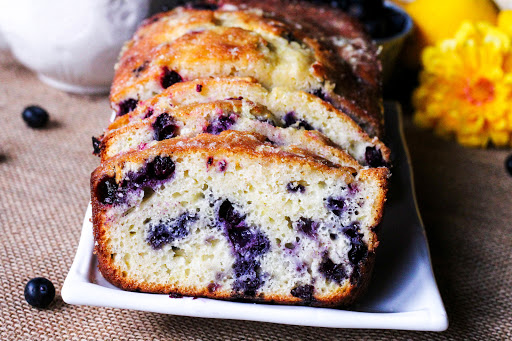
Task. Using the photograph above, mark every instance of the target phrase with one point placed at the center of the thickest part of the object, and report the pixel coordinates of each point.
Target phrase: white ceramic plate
(402, 295)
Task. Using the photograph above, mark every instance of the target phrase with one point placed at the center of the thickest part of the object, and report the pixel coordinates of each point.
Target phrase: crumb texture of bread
(214, 118)
(230, 216)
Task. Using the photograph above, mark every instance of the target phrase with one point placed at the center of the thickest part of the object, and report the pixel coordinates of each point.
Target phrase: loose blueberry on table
(508, 164)
(35, 116)
(39, 292)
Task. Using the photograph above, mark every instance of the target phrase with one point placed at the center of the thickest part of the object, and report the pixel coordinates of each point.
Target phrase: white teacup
(3, 43)
(71, 45)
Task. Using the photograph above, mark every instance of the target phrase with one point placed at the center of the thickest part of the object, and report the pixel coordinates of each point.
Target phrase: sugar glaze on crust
(358, 74)
(169, 48)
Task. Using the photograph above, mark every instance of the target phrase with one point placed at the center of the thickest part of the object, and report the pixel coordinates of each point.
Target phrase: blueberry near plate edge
(35, 116)
(39, 292)
(508, 164)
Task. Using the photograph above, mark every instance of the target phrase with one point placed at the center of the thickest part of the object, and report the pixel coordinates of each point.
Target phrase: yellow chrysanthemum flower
(466, 87)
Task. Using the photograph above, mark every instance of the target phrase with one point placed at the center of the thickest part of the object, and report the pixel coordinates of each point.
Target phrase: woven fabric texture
(465, 197)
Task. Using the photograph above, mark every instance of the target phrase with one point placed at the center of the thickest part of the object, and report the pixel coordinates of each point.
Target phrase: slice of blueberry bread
(232, 216)
(185, 44)
(296, 109)
(214, 118)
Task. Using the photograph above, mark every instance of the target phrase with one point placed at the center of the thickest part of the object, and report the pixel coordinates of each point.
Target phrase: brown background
(465, 197)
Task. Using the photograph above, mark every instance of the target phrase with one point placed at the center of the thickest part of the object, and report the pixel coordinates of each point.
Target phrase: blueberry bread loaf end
(231, 216)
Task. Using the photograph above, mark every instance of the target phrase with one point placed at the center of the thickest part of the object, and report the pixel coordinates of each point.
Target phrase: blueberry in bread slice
(291, 108)
(186, 44)
(232, 216)
(214, 118)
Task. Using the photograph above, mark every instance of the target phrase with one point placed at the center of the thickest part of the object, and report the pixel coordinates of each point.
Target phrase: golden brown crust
(196, 32)
(323, 22)
(180, 93)
(380, 177)
(358, 69)
(233, 49)
(230, 142)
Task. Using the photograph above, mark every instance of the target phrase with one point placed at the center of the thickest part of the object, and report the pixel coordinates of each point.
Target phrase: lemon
(505, 21)
(436, 20)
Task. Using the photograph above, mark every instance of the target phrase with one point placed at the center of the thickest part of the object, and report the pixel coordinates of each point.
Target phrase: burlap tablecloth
(465, 197)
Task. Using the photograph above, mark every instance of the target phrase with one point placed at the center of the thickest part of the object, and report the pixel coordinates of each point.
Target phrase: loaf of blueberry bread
(290, 108)
(244, 159)
(235, 216)
(186, 44)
